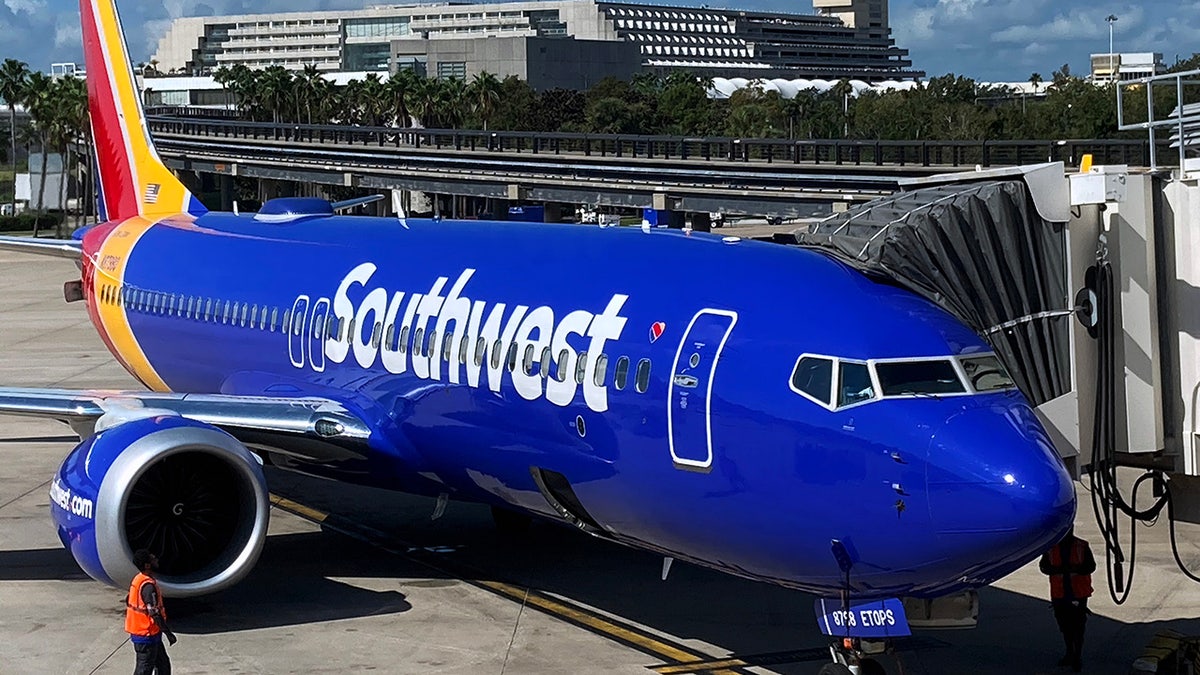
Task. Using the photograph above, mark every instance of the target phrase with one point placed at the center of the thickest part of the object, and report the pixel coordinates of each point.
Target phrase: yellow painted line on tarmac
(700, 666)
(305, 512)
(682, 659)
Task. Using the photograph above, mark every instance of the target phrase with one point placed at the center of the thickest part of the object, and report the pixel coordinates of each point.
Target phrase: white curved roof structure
(723, 87)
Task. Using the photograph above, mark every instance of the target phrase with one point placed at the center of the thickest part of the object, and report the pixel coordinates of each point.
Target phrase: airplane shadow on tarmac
(293, 584)
(770, 627)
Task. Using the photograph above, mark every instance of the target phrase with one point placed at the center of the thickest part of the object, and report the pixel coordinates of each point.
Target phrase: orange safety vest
(1081, 584)
(137, 616)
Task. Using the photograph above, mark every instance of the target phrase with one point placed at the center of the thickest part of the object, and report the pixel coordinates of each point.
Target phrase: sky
(989, 40)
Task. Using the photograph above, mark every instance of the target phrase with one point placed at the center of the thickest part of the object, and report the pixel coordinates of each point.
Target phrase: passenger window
(560, 371)
(621, 376)
(854, 383)
(191, 307)
(512, 357)
(225, 312)
(464, 348)
(643, 376)
(545, 365)
(581, 368)
(298, 328)
(403, 339)
(390, 337)
(814, 376)
(418, 347)
(447, 342)
(527, 362)
(918, 378)
(208, 310)
(601, 370)
(497, 354)
(245, 315)
(286, 323)
(430, 348)
(480, 351)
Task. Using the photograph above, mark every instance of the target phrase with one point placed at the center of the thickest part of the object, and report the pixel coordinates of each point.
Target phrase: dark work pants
(1072, 618)
(151, 659)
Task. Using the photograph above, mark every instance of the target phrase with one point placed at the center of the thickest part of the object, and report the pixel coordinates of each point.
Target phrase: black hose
(1108, 503)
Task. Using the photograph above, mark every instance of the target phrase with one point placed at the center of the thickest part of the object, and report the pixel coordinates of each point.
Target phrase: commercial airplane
(758, 409)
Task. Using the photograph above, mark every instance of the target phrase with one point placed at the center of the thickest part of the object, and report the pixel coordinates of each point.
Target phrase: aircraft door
(297, 323)
(690, 389)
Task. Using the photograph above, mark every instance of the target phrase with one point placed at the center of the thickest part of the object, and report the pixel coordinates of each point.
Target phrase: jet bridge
(1087, 285)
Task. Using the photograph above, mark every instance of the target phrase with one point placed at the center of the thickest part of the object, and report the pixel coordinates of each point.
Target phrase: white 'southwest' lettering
(415, 337)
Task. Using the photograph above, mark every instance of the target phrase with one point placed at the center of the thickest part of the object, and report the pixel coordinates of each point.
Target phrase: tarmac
(357, 580)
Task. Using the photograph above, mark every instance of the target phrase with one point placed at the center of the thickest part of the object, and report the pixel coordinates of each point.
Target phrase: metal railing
(923, 154)
(1179, 120)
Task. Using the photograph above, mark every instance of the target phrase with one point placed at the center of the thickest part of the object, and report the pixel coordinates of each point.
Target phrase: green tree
(402, 88)
(14, 75)
(485, 96)
(42, 106)
(516, 110)
(276, 86)
(683, 104)
(312, 94)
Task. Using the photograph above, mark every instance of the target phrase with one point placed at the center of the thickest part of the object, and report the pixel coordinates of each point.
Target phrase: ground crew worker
(1070, 564)
(146, 620)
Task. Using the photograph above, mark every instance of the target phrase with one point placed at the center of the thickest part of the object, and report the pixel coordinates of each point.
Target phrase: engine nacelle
(190, 493)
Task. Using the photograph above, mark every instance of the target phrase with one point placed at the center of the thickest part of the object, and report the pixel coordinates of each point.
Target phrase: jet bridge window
(854, 383)
(918, 378)
(813, 378)
(986, 373)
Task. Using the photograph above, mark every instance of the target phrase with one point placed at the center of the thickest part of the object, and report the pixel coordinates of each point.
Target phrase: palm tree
(452, 102)
(276, 85)
(1035, 79)
(426, 102)
(403, 87)
(485, 96)
(42, 106)
(13, 75)
(69, 125)
(312, 91)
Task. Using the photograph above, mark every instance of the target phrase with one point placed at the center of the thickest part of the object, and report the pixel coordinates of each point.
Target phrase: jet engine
(188, 492)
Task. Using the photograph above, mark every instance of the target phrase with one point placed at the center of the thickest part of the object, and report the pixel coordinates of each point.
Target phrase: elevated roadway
(757, 176)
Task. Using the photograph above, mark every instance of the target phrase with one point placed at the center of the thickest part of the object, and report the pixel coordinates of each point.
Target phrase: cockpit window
(814, 377)
(986, 373)
(854, 383)
(917, 378)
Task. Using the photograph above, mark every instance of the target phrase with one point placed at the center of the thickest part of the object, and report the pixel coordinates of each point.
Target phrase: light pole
(1112, 69)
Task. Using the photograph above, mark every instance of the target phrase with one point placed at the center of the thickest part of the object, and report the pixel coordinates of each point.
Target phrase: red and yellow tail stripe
(111, 316)
(134, 181)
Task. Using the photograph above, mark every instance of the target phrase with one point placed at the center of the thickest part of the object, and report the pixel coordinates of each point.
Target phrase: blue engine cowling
(187, 491)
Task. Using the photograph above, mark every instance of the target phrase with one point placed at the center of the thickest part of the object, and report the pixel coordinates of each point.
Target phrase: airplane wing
(310, 428)
(58, 248)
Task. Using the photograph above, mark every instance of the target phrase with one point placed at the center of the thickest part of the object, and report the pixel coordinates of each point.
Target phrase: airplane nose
(997, 486)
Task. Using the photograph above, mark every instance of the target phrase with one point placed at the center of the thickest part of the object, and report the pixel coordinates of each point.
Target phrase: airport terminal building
(845, 39)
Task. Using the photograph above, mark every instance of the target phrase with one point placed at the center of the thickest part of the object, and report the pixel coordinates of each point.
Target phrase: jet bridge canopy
(981, 250)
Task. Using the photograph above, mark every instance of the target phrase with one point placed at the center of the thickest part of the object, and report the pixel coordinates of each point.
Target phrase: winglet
(133, 179)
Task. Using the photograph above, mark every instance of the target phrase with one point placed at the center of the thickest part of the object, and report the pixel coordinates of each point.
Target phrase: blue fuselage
(680, 431)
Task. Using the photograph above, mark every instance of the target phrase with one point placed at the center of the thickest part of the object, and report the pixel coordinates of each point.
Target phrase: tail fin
(133, 179)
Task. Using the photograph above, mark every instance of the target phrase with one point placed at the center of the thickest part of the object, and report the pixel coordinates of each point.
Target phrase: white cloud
(30, 7)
